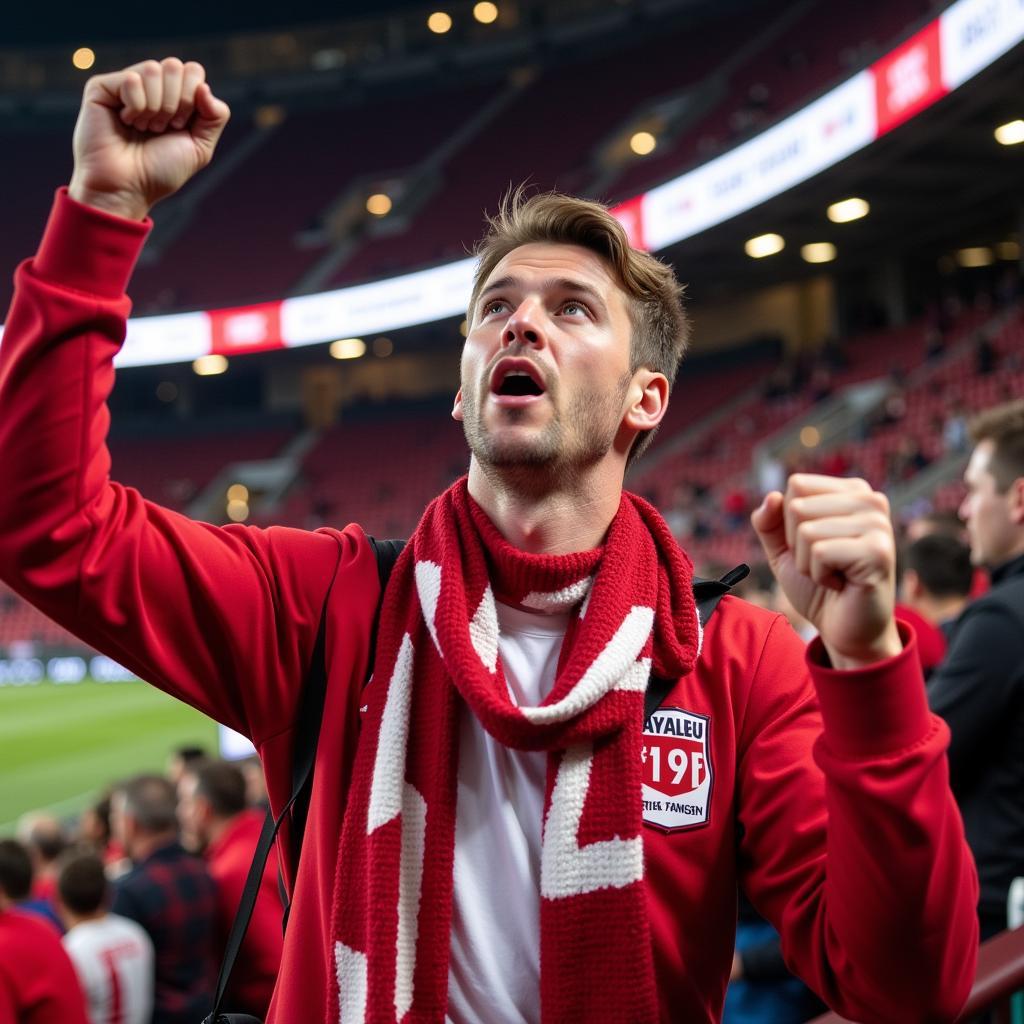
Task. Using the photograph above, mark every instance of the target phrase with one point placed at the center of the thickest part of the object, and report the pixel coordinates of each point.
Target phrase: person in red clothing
(213, 813)
(38, 984)
(497, 830)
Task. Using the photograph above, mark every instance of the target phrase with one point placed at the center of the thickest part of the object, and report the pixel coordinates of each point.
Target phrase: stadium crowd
(134, 897)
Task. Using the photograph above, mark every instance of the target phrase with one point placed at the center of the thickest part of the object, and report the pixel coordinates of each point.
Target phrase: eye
(494, 305)
(574, 308)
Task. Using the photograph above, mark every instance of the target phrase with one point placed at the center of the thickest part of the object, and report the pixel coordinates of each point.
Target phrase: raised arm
(858, 857)
(224, 618)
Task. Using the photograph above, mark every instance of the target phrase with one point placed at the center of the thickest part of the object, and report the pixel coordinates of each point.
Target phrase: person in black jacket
(979, 688)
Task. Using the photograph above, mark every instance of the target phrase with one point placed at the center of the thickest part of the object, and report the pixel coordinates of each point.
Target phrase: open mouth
(517, 378)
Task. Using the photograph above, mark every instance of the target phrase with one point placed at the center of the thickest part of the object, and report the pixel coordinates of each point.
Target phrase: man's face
(994, 529)
(191, 814)
(546, 365)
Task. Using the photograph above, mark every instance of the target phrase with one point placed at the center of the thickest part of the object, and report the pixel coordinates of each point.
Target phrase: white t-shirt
(494, 968)
(113, 958)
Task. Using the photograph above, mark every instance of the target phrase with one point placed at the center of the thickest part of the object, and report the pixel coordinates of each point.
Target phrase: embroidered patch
(677, 771)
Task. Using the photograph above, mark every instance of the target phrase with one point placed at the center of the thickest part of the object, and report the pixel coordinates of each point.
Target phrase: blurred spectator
(681, 515)
(213, 808)
(986, 356)
(937, 578)
(934, 344)
(255, 784)
(170, 893)
(954, 430)
(18, 852)
(181, 759)
(113, 956)
(45, 839)
(94, 829)
(37, 981)
(31, 902)
(736, 506)
(979, 688)
(947, 523)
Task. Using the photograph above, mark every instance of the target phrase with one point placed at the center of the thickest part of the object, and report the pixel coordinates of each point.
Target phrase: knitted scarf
(437, 653)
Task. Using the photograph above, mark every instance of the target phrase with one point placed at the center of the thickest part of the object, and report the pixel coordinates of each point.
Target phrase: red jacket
(228, 858)
(826, 793)
(38, 984)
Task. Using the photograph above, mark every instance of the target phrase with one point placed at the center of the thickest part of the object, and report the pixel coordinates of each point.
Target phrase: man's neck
(71, 920)
(555, 522)
(145, 846)
(941, 609)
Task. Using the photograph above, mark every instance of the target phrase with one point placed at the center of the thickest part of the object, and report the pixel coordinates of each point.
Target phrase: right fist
(142, 133)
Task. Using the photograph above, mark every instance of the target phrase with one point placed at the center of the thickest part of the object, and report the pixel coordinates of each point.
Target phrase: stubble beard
(559, 454)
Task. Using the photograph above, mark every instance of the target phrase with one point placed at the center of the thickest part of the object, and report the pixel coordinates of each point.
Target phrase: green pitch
(62, 744)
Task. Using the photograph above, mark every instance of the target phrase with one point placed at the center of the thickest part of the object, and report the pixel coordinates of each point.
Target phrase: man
(937, 580)
(979, 688)
(170, 894)
(212, 810)
(45, 839)
(113, 956)
(37, 982)
(516, 639)
(182, 759)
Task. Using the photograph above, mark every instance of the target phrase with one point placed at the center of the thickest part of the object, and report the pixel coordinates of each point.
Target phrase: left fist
(830, 544)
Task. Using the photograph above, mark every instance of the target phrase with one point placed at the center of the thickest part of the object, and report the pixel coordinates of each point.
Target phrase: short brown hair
(661, 329)
(222, 784)
(82, 883)
(1004, 426)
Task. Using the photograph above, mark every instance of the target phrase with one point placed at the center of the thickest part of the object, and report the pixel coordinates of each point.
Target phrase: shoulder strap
(707, 594)
(307, 734)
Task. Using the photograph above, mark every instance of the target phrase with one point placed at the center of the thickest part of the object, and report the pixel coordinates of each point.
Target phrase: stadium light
(485, 12)
(818, 252)
(848, 209)
(348, 348)
(810, 437)
(439, 22)
(238, 511)
(975, 256)
(238, 492)
(383, 347)
(464, 328)
(764, 245)
(83, 58)
(642, 143)
(1008, 250)
(379, 204)
(210, 366)
(1011, 133)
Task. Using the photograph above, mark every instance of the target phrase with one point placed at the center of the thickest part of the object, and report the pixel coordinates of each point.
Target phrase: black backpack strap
(706, 594)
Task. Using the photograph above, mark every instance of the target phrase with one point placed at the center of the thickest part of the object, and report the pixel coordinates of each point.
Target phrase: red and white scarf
(437, 650)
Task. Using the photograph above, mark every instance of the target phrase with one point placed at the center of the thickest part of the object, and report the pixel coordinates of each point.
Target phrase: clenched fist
(142, 133)
(830, 543)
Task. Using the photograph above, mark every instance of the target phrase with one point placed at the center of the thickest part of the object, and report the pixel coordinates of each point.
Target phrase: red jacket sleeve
(223, 618)
(857, 856)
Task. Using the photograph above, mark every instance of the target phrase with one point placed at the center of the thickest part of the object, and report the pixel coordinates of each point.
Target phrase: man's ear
(457, 408)
(648, 400)
(910, 585)
(1016, 497)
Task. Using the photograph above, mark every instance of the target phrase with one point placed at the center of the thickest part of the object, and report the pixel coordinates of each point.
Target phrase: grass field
(60, 745)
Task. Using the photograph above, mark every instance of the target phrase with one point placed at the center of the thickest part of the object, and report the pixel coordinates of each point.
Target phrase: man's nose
(524, 325)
